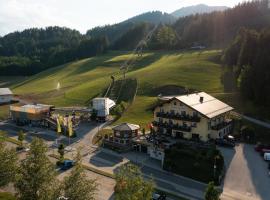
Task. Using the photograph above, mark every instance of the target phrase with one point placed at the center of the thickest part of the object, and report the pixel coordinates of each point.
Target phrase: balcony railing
(172, 126)
(221, 125)
(178, 117)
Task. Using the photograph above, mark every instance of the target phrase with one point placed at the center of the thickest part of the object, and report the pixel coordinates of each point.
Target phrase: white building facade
(5, 95)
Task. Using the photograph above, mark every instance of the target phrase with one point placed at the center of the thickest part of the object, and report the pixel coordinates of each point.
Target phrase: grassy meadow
(82, 80)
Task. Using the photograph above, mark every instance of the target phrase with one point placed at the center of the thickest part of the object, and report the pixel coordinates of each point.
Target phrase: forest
(33, 50)
(247, 61)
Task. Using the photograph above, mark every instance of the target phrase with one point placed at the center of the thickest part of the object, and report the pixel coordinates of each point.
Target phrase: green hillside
(82, 80)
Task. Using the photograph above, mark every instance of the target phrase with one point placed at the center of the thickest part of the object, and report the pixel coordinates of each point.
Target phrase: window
(209, 125)
(183, 112)
(194, 124)
(174, 103)
(122, 141)
(117, 134)
(195, 114)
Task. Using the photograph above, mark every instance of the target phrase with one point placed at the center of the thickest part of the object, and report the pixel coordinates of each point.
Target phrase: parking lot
(247, 174)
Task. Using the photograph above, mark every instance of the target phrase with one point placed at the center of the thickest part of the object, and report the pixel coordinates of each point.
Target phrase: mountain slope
(83, 80)
(197, 9)
(114, 32)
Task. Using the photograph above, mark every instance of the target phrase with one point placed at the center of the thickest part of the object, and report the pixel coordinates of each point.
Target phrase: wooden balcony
(172, 126)
(178, 117)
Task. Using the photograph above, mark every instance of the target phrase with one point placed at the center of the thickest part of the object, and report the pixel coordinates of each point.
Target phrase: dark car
(157, 196)
(67, 164)
(262, 147)
(269, 165)
(224, 142)
(263, 151)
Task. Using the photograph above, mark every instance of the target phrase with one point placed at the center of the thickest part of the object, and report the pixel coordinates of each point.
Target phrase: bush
(119, 109)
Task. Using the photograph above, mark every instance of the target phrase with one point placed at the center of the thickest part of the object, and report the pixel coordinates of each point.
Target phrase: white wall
(5, 98)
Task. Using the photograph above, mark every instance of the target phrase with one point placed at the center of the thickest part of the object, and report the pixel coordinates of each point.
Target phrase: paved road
(253, 120)
(164, 180)
(247, 174)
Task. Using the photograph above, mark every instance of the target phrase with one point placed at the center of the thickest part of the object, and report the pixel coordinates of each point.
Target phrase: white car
(266, 156)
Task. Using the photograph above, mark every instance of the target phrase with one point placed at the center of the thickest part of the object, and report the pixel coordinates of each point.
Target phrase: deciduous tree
(36, 178)
(8, 165)
(77, 186)
(130, 184)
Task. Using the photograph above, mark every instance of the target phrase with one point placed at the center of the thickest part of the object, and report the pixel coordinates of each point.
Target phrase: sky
(17, 15)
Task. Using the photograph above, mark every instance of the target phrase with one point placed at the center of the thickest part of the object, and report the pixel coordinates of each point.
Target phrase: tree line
(214, 29)
(33, 50)
(247, 61)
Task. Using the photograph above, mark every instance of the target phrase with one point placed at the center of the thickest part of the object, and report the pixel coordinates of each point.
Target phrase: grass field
(82, 80)
(6, 196)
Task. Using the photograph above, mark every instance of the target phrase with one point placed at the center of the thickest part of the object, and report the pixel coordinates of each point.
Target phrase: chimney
(201, 99)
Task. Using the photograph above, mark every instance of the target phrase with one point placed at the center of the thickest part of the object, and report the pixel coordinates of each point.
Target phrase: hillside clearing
(82, 80)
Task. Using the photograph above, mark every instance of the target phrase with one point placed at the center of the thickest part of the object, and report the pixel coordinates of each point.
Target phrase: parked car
(157, 196)
(266, 156)
(224, 142)
(260, 147)
(263, 151)
(229, 138)
(67, 164)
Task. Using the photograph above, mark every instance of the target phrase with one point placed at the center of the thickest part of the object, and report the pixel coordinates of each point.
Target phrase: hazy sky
(83, 14)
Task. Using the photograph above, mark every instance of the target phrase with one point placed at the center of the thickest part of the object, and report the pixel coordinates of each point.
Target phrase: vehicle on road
(264, 151)
(157, 196)
(67, 164)
(266, 156)
(224, 142)
(261, 147)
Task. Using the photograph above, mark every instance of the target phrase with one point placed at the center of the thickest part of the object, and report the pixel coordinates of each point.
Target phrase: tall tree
(8, 165)
(130, 184)
(36, 178)
(77, 186)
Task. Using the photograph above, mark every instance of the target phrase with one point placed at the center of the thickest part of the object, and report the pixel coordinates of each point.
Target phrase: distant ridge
(115, 31)
(197, 9)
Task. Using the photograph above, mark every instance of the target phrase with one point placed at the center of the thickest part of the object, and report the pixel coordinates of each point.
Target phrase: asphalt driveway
(247, 174)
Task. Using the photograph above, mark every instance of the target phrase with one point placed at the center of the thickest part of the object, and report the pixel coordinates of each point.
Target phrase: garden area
(199, 163)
